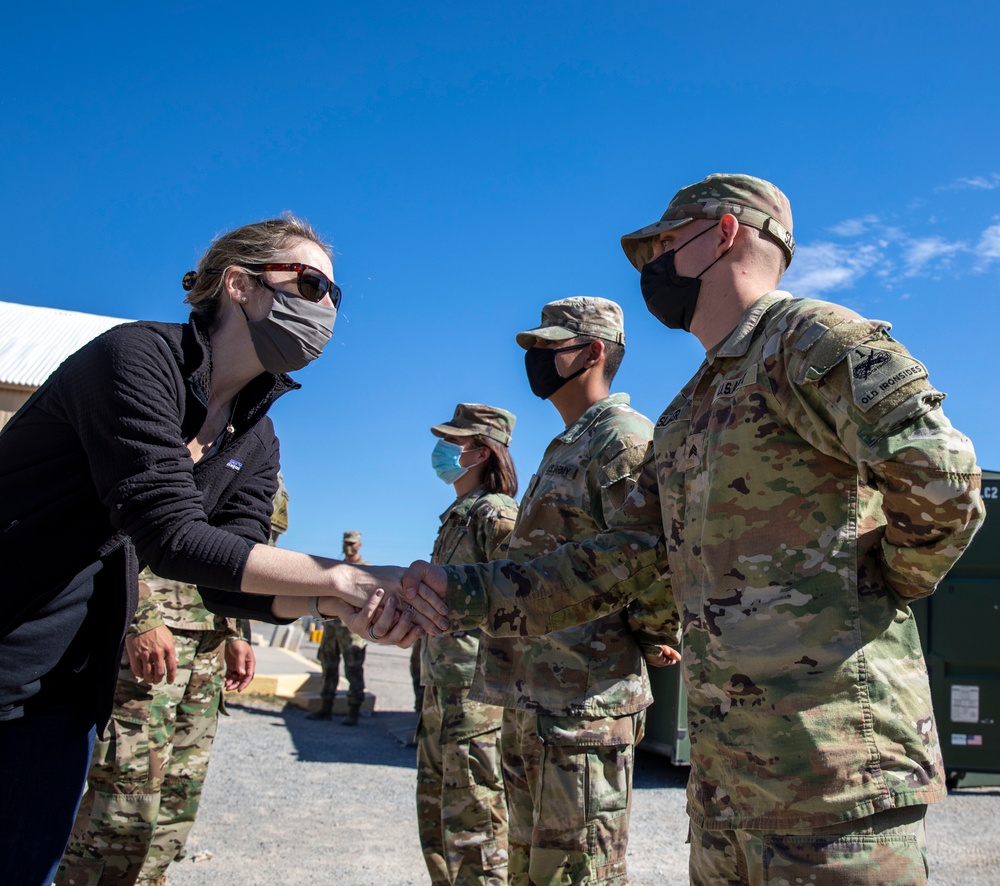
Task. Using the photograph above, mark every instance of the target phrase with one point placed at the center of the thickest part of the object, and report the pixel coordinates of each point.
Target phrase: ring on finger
(371, 634)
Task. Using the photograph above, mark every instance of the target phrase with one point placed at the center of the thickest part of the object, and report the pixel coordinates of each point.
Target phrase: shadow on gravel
(654, 771)
(378, 739)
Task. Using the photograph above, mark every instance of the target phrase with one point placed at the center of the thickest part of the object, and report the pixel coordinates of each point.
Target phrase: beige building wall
(12, 398)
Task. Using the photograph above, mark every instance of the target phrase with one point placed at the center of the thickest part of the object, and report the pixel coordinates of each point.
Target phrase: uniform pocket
(862, 859)
(123, 757)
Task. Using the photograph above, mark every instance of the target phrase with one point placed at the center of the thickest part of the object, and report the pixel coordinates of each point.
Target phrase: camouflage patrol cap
(352, 536)
(579, 315)
(477, 418)
(753, 201)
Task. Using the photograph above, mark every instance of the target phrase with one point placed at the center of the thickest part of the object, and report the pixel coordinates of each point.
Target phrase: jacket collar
(191, 344)
(738, 342)
(470, 498)
(574, 431)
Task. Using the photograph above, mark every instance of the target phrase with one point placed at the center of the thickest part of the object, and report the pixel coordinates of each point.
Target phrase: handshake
(406, 604)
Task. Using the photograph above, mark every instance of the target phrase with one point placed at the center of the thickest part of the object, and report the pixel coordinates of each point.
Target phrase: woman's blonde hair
(262, 242)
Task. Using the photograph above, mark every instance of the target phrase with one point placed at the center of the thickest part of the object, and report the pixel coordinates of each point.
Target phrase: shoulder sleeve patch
(818, 354)
(877, 373)
(623, 465)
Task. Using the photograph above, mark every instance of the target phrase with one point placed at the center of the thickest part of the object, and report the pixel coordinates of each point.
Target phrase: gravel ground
(290, 801)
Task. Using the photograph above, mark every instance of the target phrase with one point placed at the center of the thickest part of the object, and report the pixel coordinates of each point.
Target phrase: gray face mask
(294, 332)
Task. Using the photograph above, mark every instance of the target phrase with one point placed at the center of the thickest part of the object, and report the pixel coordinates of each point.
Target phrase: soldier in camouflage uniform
(573, 700)
(146, 778)
(803, 487)
(340, 642)
(461, 808)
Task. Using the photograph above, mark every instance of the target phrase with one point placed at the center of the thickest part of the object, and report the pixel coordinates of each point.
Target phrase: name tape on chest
(875, 374)
(729, 386)
(668, 418)
(568, 472)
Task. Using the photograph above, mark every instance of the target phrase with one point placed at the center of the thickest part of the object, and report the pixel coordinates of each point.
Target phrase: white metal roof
(34, 341)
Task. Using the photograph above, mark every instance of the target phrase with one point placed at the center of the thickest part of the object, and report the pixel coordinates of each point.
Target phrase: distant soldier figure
(338, 641)
(145, 780)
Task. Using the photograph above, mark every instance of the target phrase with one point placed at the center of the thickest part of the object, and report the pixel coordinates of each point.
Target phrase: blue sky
(471, 163)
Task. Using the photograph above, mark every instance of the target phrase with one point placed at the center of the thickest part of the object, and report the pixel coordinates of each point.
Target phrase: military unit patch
(876, 373)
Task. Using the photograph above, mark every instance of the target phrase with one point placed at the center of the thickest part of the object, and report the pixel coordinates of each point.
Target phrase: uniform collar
(738, 342)
(468, 498)
(574, 431)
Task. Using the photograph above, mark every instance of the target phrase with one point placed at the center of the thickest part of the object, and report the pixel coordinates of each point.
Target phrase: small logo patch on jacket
(234, 465)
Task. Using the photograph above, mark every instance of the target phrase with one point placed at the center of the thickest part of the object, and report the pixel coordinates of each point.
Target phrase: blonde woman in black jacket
(152, 445)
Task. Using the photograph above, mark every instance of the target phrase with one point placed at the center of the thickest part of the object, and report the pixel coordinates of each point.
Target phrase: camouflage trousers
(569, 794)
(461, 810)
(885, 849)
(146, 777)
(339, 642)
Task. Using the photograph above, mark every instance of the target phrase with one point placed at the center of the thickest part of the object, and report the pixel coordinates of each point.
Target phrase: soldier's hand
(427, 586)
(152, 654)
(666, 655)
(380, 620)
(240, 665)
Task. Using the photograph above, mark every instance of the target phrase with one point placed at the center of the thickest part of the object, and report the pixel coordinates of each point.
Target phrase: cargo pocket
(863, 859)
(122, 759)
(587, 764)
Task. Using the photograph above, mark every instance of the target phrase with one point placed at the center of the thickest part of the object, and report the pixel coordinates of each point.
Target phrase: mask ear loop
(582, 369)
(695, 237)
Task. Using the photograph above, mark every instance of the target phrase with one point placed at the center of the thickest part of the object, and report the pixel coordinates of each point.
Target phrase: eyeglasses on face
(312, 283)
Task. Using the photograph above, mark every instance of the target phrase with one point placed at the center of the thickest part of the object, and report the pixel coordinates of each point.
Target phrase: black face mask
(670, 297)
(540, 364)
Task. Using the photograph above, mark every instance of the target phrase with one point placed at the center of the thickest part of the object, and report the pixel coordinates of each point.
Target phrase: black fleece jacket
(96, 478)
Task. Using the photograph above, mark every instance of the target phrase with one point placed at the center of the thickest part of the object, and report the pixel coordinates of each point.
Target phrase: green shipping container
(960, 631)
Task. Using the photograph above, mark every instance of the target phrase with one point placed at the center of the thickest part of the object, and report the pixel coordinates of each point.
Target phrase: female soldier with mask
(461, 807)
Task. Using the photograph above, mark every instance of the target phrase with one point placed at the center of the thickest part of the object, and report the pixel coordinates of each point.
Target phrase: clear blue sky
(469, 163)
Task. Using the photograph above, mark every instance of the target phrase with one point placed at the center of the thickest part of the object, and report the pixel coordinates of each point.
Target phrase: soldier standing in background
(339, 641)
(145, 780)
(461, 808)
(572, 700)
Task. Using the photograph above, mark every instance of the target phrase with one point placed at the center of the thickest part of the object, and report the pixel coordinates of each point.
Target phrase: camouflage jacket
(179, 606)
(595, 669)
(804, 486)
(472, 531)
